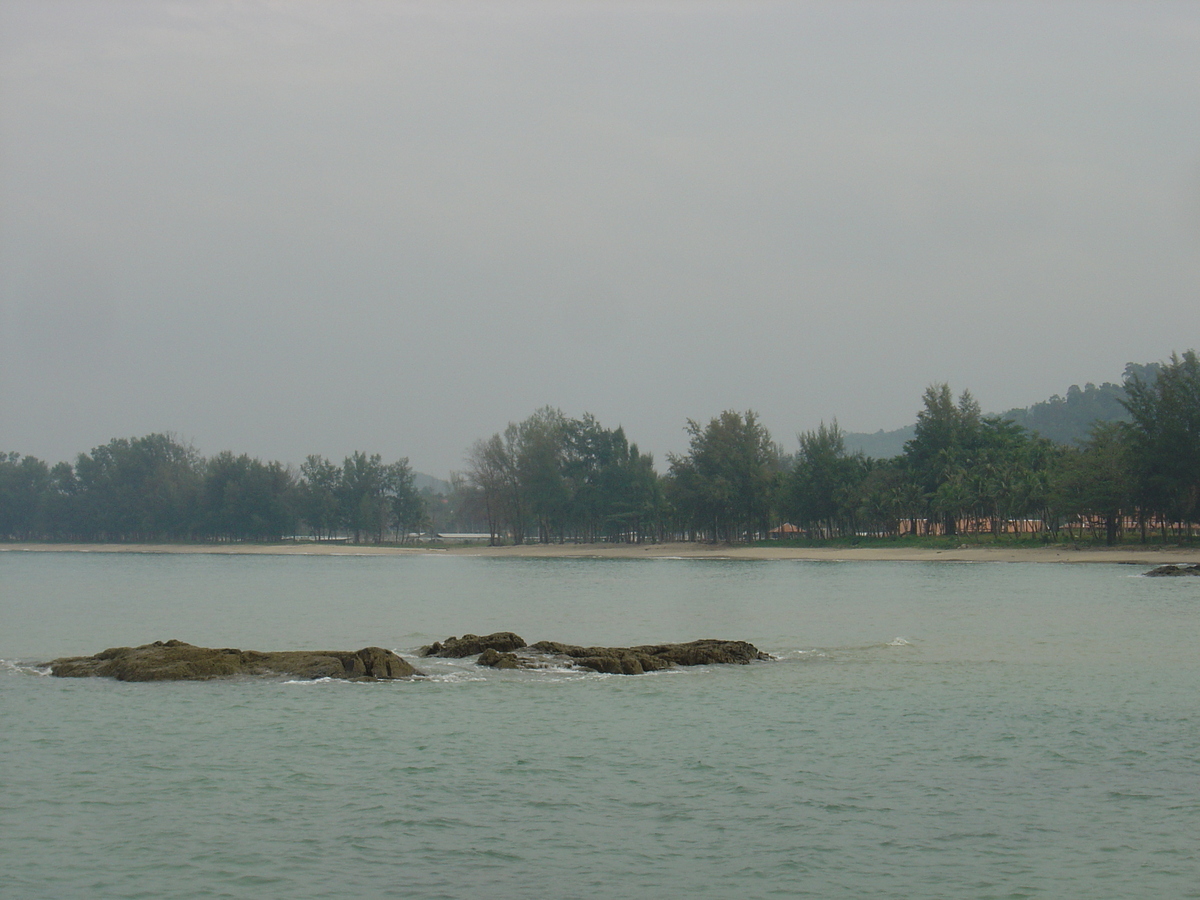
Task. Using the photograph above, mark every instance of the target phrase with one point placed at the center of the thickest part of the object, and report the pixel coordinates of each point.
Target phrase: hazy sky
(286, 228)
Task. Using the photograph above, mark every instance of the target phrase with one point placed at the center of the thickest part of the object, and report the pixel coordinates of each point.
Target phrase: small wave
(351, 682)
(898, 642)
(718, 557)
(23, 668)
(800, 654)
(452, 677)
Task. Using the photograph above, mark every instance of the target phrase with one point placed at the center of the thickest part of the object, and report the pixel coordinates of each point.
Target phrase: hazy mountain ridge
(436, 485)
(881, 444)
(1064, 420)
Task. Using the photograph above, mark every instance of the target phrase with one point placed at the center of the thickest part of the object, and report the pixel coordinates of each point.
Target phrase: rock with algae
(497, 660)
(179, 661)
(1170, 569)
(470, 644)
(612, 660)
(652, 657)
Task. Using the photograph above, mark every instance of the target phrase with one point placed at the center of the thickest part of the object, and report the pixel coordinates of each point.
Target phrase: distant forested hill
(881, 444)
(436, 485)
(1068, 420)
(1064, 420)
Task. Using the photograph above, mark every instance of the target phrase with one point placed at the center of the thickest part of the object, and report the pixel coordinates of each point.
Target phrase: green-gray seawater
(929, 730)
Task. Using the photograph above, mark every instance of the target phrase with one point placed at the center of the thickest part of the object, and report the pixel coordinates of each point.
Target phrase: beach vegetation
(552, 478)
(962, 476)
(824, 492)
(1164, 441)
(725, 487)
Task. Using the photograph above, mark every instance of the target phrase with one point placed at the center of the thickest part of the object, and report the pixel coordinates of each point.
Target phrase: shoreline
(1118, 555)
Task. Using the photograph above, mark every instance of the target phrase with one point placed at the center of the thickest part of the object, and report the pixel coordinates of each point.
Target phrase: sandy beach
(1127, 555)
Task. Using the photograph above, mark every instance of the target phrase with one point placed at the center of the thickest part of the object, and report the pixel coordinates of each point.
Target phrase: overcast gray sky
(286, 228)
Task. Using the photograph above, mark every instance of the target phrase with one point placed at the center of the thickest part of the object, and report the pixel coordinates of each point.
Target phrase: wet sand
(1129, 555)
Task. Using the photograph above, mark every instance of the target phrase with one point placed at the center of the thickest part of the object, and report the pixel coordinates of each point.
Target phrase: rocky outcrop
(612, 660)
(384, 664)
(497, 660)
(178, 661)
(1168, 570)
(653, 657)
(470, 644)
(707, 653)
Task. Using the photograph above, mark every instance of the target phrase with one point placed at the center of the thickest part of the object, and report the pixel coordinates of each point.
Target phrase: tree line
(553, 478)
(155, 488)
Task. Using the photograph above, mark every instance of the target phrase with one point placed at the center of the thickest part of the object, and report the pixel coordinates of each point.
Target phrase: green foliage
(572, 479)
(154, 488)
(1164, 438)
(492, 472)
(246, 499)
(409, 512)
(138, 489)
(822, 493)
(317, 496)
(1094, 480)
(615, 492)
(364, 497)
(724, 488)
(24, 485)
(562, 479)
(939, 455)
(540, 459)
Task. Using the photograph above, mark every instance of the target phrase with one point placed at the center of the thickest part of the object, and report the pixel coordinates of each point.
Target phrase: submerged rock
(1171, 569)
(178, 661)
(470, 644)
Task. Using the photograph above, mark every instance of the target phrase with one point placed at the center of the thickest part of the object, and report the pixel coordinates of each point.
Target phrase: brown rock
(1168, 570)
(653, 657)
(470, 644)
(179, 661)
(706, 653)
(497, 660)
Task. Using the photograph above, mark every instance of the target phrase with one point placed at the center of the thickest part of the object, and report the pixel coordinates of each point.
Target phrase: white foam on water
(452, 677)
(799, 654)
(687, 558)
(24, 668)
(446, 670)
(443, 670)
(575, 675)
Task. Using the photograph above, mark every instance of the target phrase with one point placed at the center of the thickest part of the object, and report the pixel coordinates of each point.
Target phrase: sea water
(949, 730)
